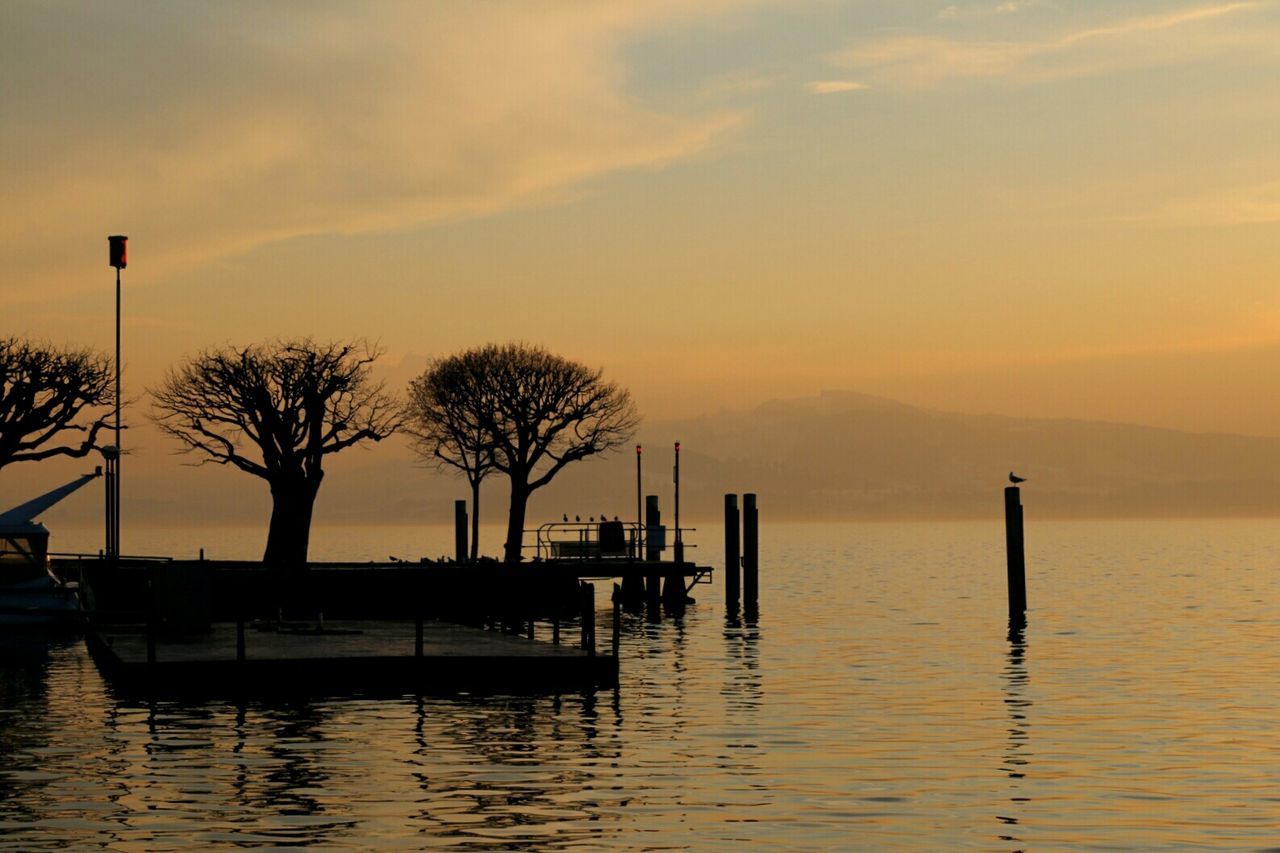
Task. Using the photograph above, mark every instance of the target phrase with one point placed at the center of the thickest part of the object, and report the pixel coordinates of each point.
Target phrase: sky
(1033, 208)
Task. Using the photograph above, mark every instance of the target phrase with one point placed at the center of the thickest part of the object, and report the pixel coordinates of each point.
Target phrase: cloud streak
(211, 130)
(925, 61)
(830, 87)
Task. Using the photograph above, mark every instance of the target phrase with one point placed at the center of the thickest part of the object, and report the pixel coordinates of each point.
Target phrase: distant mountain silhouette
(838, 455)
(849, 455)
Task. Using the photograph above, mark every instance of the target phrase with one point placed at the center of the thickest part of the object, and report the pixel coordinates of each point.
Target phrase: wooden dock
(347, 656)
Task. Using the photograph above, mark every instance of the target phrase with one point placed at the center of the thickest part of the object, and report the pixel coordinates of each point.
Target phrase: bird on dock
(1015, 479)
(577, 518)
(566, 517)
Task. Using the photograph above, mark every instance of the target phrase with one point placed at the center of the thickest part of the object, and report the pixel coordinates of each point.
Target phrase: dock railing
(602, 540)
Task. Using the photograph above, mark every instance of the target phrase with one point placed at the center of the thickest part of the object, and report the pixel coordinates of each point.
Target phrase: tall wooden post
(653, 553)
(617, 619)
(460, 530)
(1017, 562)
(732, 554)
(750, 553)
(588, 593)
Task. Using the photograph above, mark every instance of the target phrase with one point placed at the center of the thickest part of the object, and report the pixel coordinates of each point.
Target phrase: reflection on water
(1017, 753)
(879, 702)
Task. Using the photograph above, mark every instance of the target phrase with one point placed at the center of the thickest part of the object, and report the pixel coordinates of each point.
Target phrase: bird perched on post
(1015, 479)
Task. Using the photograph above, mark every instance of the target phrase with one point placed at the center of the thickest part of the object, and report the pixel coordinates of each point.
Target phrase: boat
(32, 594)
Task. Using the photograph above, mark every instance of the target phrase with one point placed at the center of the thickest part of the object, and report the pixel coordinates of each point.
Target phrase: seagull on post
(1015, 479)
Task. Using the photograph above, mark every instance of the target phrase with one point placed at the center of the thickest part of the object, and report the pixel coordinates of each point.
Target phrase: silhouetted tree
(296, 402)
(46, 393)
(447, 415)
(536, 412)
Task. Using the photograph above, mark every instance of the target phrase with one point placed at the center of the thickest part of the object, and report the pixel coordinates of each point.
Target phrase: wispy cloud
(961, 13)
(830, 87)
(926, 60)
(1251, 204)
(214, 129)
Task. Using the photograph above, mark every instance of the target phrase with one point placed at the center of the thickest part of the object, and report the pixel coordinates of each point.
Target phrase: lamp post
(118, 258)
(679, 543)
(639, 509)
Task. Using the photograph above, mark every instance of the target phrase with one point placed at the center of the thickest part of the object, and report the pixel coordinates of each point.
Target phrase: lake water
(879, 702)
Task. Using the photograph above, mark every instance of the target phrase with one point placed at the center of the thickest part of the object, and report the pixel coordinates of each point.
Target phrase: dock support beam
(460, 530)
(732, 555)
(1017, 561)
(750, 554)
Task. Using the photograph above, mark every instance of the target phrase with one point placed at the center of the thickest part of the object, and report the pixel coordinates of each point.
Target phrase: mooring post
(653, 542)
(732, 554)
(617, 618)
(417, 633)
(240, 638)
(555, 626)
(587, 593)
(750, 552)
(460, 530)
(1017, 562)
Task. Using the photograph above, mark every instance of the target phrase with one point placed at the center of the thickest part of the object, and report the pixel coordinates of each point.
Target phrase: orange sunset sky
(1030, 208)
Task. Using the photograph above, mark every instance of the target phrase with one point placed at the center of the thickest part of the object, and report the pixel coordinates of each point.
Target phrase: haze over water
(879, 702)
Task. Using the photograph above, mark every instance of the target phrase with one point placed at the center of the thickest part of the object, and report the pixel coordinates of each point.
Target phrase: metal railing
(604, 540)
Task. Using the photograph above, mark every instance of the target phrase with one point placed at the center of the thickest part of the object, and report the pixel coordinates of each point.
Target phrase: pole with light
(119, 258)
(679, 543)
(639, 509)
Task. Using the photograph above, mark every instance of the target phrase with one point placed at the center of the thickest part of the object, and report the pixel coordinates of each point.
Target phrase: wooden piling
(240, 638)
(1017, 562)
(750, 552)
(653, 553)
(460, 530)
(417, 635)
(588, 603)
(732, 554)
(555, 627)
(617, 619)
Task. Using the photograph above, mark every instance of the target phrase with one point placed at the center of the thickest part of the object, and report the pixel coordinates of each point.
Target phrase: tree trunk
(515, 522)
(475, 520)
(288, 538)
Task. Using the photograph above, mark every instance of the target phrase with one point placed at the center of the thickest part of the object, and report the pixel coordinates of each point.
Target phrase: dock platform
(345, 656)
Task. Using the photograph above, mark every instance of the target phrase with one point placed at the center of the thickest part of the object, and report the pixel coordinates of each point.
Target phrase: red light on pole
(119, 251)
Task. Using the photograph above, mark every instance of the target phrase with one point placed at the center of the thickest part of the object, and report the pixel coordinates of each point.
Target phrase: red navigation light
(677, 447)
(119, 251)
(637, 450)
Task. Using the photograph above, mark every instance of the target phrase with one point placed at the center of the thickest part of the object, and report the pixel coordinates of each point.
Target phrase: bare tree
(295, 402)
(447, 413)
(536, 412)
(46, 394)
